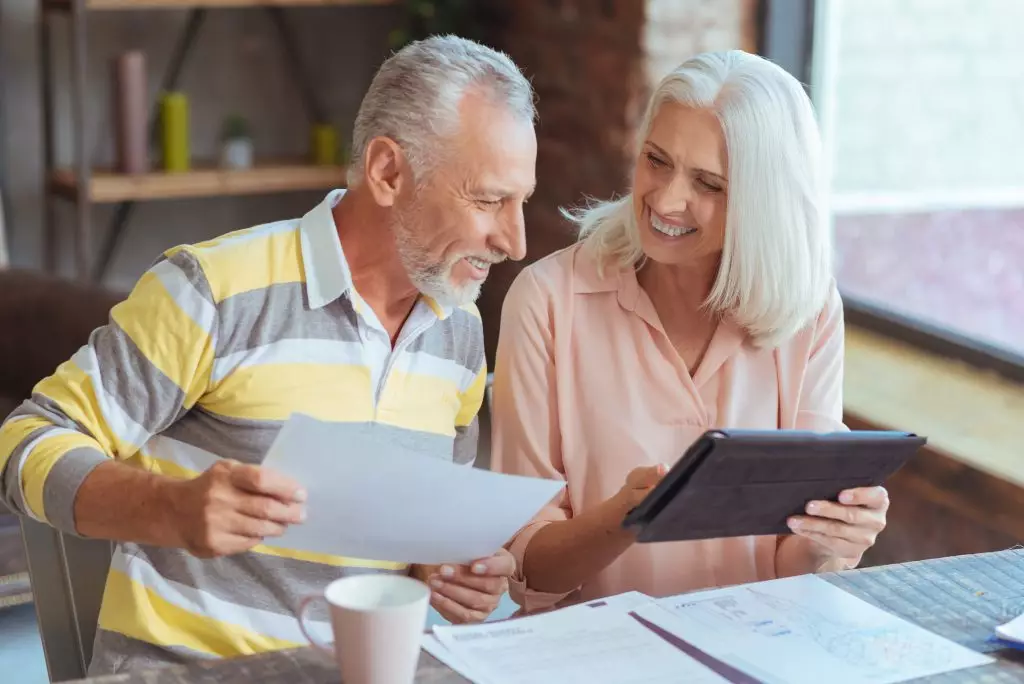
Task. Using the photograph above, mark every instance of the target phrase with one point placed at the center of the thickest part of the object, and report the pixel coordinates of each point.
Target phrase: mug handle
(301, 614)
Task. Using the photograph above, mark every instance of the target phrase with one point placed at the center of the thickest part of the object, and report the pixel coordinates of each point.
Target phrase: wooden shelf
(107, 187)
(106, 5)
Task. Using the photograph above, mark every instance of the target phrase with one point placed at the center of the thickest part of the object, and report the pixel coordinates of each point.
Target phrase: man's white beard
(432, 279)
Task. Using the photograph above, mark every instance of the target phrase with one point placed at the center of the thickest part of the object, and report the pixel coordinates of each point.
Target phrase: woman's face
(680, 188)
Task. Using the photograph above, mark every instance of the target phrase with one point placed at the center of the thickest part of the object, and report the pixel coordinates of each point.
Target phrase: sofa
(43, 321)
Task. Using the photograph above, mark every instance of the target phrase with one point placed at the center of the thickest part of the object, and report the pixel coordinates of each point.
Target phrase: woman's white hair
(776, 268)
(414, 98)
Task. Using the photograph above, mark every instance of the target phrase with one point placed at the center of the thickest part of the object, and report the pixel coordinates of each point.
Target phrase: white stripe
(255, 233)
(422, 363)
(47, 433)
(187, 456)
(119, 422)
(195, 305)
(265, 622)
(326, 352)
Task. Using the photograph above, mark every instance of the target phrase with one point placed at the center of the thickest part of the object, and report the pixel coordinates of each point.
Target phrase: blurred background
(921, 105)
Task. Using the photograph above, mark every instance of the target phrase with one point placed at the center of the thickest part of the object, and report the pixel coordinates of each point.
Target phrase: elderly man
(361, 312)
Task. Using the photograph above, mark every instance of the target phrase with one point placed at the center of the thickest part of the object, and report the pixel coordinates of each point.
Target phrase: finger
(264, 481)
(836, 547)
(646, 476)
(832, 528)
(453, 612)
(501, 564)
(268, 508)
(469, 599)
(851, 515)
(488, 585)
(255, 528)
(869, 497)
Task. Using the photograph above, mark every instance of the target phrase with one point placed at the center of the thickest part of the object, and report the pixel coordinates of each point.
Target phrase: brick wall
(592, 64)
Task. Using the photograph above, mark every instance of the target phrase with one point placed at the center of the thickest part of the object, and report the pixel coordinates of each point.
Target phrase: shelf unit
(85, 186)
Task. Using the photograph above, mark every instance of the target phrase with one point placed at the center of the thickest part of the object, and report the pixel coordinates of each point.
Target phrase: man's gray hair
(414, 97)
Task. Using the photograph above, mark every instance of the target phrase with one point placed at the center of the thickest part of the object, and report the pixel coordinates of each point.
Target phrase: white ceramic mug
(378, 623)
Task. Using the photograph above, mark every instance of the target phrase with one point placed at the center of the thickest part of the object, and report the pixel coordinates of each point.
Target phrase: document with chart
(804, 630)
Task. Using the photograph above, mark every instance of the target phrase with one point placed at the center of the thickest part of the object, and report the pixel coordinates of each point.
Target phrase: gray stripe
(62, 485)
(465, 447)
(242, 439)
(459, 338)
(139, 388)
(44, 407)
(254, 319)
(250, 580)
(114, 653)
(190, 266)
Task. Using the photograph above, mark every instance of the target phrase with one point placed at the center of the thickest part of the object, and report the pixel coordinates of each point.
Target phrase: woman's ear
(385, 170)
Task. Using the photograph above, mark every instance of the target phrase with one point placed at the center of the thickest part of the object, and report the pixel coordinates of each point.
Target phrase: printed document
(571, 646)
(804, 630)
(377, 503)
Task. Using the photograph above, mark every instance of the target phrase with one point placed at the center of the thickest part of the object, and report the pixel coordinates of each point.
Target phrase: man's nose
(511, 239)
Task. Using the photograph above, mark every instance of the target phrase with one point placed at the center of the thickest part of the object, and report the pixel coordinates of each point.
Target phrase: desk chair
(68, 574)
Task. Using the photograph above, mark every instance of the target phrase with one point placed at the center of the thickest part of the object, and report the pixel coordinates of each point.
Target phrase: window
(922, 111)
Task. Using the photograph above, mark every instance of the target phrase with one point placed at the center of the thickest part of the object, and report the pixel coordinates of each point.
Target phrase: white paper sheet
(571, 646)
(380, 503)
(1012, 630)
(433, 646)
(804, 630)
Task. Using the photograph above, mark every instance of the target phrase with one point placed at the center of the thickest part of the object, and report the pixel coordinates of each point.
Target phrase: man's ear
(386, 170)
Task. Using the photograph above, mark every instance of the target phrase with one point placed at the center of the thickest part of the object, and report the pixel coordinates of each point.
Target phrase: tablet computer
(735, 483)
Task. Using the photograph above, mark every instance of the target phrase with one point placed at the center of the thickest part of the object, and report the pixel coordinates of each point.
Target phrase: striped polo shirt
(216, 346)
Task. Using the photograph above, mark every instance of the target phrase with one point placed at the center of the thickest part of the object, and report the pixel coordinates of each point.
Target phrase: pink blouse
(587, 387)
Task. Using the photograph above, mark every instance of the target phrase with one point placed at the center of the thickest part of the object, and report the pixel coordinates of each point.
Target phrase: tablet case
(734, 483)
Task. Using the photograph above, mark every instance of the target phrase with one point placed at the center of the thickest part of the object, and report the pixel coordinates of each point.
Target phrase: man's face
(468, 213)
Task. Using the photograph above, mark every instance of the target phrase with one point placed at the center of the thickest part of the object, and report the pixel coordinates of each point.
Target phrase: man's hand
(847, 529)
(468, 593)
(231, 507)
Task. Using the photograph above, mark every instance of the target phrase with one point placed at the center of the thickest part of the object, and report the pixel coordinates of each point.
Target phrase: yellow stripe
(72, 390)
(275, 391)
(136, 611)
(16, 431)
(45, 455)
(472, 399)
(167, 336)
(325, 559)
(419, 402)
(254, 264)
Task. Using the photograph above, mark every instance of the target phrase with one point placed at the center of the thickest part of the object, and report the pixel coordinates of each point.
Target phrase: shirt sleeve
(821, 394)
(525, 434)
(133, 378)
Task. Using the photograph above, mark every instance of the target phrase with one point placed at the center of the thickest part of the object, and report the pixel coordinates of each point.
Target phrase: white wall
(237, 66)
(928, 103)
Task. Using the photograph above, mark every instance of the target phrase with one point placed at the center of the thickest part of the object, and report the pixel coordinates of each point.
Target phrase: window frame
(789, 32)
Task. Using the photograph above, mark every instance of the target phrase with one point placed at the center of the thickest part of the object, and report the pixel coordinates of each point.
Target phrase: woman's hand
(639, 483)
(844, 530)
(468, 593)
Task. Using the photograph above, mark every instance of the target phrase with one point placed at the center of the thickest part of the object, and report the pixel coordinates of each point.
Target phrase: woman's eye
(655, 161)
(709, 187)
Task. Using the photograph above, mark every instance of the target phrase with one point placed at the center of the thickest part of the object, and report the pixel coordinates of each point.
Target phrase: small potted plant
(236, 144)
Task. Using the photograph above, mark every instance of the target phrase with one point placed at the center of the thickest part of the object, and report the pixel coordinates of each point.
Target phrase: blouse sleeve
(524, 419)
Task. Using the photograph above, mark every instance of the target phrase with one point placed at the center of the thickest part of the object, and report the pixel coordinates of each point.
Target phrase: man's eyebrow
(666, 154)
(497, 191)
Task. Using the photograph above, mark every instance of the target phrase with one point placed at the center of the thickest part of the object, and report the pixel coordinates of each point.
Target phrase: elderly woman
(702, 299)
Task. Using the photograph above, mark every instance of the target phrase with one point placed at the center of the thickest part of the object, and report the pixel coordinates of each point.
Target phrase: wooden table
(961, 598)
